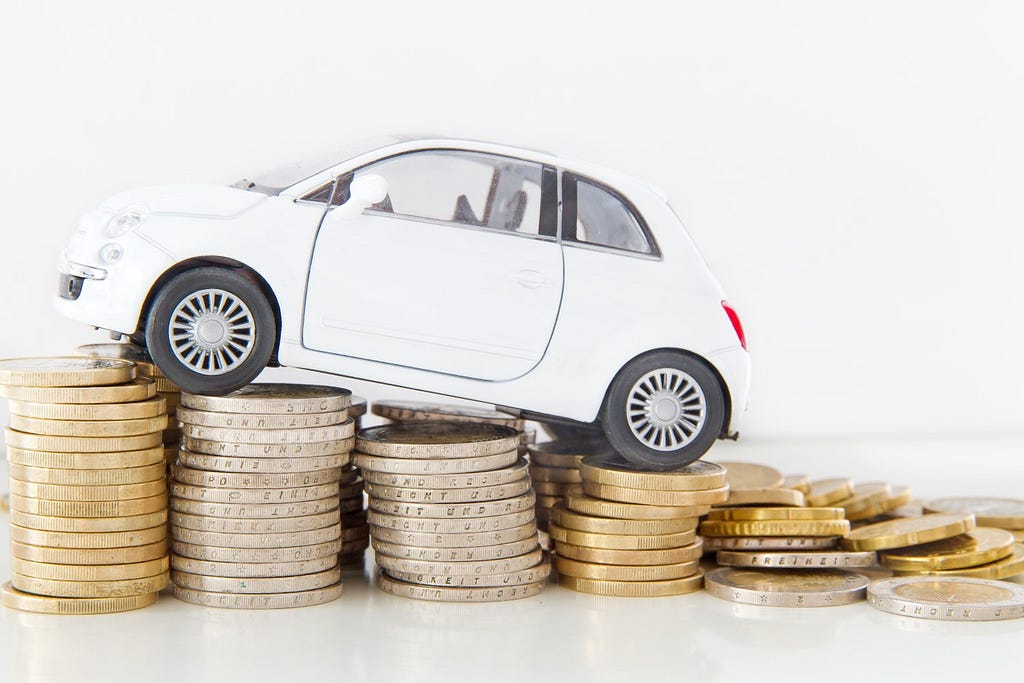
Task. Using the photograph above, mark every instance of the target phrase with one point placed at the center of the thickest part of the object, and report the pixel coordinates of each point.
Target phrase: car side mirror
(364, 191)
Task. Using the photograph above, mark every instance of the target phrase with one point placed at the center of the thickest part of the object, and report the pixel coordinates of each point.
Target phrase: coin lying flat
(504, 475)
(555, 475)
(504, 565)
(747, 475)
(456, 540)
(308, 598)
(85, 461)
(246, 585)
(566, 518)
(431, 440)
(652, 497)
(535, 574)
(981, 546)
(867, 500)
(88, 540)
(562, 453)
(90, 589)
(771, 542)
(1011, 565)
(632, 589)
(774, 588)
(616, 471)
(591, 539)
(70, 572)
(245, 480)
(618, 572)
(1003, 513)
(256, 555)
(948, 599)
(66, 371)
(827, 492)
(85, 494)
(784, 527)
(765, 496)
(254, 511)
(141, 553)
(796, 560)
(461, 594)
(282, 539)
(273, 399)
(89, 428)
(26, 602)
(109, 508)
(898, 533)
(76, 477)
(457, 525)
(239, 570)
(253, 496)
(577, 501)
(132, 352)
(81, 444)
(403, 411)
(434, 466)
(797, 482)
(482, 509)
(272, 525)
(238, 421)
(139, 389)
(473, 554)
(316, 449)
(227, 463)
(687, 553)
(745, 514)
(89, 524)
(306, 435)
(448, 496)
(149, 408)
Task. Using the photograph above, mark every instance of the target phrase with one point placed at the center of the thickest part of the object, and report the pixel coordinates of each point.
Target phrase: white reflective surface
(560, 635)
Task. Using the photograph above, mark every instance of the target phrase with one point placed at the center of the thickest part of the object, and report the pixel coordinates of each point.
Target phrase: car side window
(601, 218)
(468, 188)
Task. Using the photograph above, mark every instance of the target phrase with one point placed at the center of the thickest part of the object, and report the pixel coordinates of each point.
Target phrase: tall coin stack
(554, 469)
(451, 511)
(255, 518)
(88, 486)
(632, 533)
(145, 367)
(356, 535)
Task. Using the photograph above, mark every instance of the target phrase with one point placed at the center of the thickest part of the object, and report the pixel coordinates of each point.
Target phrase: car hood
(211, 201)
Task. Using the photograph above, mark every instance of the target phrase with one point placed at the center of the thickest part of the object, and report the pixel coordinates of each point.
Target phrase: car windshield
(284, 177)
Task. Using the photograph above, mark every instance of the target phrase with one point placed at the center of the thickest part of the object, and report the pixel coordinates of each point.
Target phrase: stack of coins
(88, 486)
(451, 511)
(631, 533)
(356, 410)
(753, 484)
(554, 469)
(352, 500)
(145, 367)
(255, 518)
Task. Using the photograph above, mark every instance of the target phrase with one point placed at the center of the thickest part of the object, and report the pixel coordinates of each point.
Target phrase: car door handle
(531, 279)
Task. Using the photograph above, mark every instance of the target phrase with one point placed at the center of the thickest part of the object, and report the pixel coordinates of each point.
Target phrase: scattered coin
(775, 588)
(764, 496)
(797, 482)
(764, 527)
(1002, 513)
(828, 492)
(898, 533)
(747, 475)
(980, 546)
(1009, 566)
(948, 599)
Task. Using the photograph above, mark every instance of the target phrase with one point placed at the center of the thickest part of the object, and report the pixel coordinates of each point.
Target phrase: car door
(458, 270)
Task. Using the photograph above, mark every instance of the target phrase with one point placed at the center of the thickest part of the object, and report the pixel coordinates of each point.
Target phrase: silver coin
(255, 526)
(252, 570)
(458, 525)
(474, 554)
(504, 565)
(484, 509)
(255, 510)
(770, 542)
(433, 466)
(318, 596)
(504, 475)
(240, 480)
(449, 594)
(263, 450)
(469, 540)
(448, 496)
(533, 574)
(273, 399)
(775, 588)
(429, 440)
(204, 418)
(306, 435)
(285, 539)
(405, 411)
(270, 584)
(227, 463)
(948, 598)
(797, 560)
(256, 555)
(250, 496)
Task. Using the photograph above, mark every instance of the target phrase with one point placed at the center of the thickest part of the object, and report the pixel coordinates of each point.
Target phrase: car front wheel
(211, 330)
(663, 410)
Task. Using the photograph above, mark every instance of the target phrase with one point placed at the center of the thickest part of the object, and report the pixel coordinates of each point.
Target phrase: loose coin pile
(451, 511)
(948, 599)
(554, 469)
(88, 487)
(255, 515)
(630, 533)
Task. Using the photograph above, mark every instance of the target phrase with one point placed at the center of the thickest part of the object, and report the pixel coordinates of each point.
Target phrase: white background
(853, 172)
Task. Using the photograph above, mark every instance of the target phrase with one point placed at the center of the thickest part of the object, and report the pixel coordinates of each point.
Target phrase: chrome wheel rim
(666, 409)
(211, 332)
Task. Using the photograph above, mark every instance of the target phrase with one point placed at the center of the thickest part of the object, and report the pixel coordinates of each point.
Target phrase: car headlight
(111, 253)
(126, 220)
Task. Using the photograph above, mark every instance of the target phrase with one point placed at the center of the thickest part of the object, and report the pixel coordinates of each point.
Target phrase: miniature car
(564, 292)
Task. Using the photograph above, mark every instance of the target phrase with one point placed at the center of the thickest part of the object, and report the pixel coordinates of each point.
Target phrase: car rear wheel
(664, 410)
(211, 330)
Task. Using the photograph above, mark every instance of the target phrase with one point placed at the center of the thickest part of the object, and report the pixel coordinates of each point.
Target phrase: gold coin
(898, 533)
(149, 408)
(71, 572)
(1018, 534)
(255, 571)
(139, 389)
(357, 408)
(457, 525)
(434, 466)
(92, 428)
(26, 602)
(827, 492)
(306, 435)
(88, 540)
(256, 510)
(548, 501)
(591, 539)
(256, 555)
(577, 501)
(748, 475)
(76, 477)
(617, 572)
(473, 554)
(651, 497)
(317, 596)
(140, 553)
(460, 594)
(87, 494)
(283, 539)
(236, 421)
(166, 386)
(261, 450)
(455, 540)
(5, 503)
(65, 371)
(797, 482)
(778, 513)
(687, 553)
(402, 411)
(245, 480)
(771, 542)
(633, 589)
(112, 508)
(81, 444)
(1009, 566)
(217, 463)
(271, 584)
(480, 509)
(90, 589)
(1002, 513)
(504, 475)
(122, 350)
(253, 496)
(555, 475)
(562, 453)
(900, 497)
(983, 545)
(771, 527)
(547, 488)
(567, 519)
(866, 501)
(86, 461)
(530, 575)
(273, 399)
(431, 440)
(775, 496)
(89, 525)
(615, 471)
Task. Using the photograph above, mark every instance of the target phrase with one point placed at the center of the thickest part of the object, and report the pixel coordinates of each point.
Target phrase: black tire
(616, 423)
(260, 314)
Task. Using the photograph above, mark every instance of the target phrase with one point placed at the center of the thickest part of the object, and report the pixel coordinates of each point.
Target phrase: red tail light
(734, 318)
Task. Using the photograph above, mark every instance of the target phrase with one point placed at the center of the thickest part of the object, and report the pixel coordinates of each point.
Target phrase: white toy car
(563, 291)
